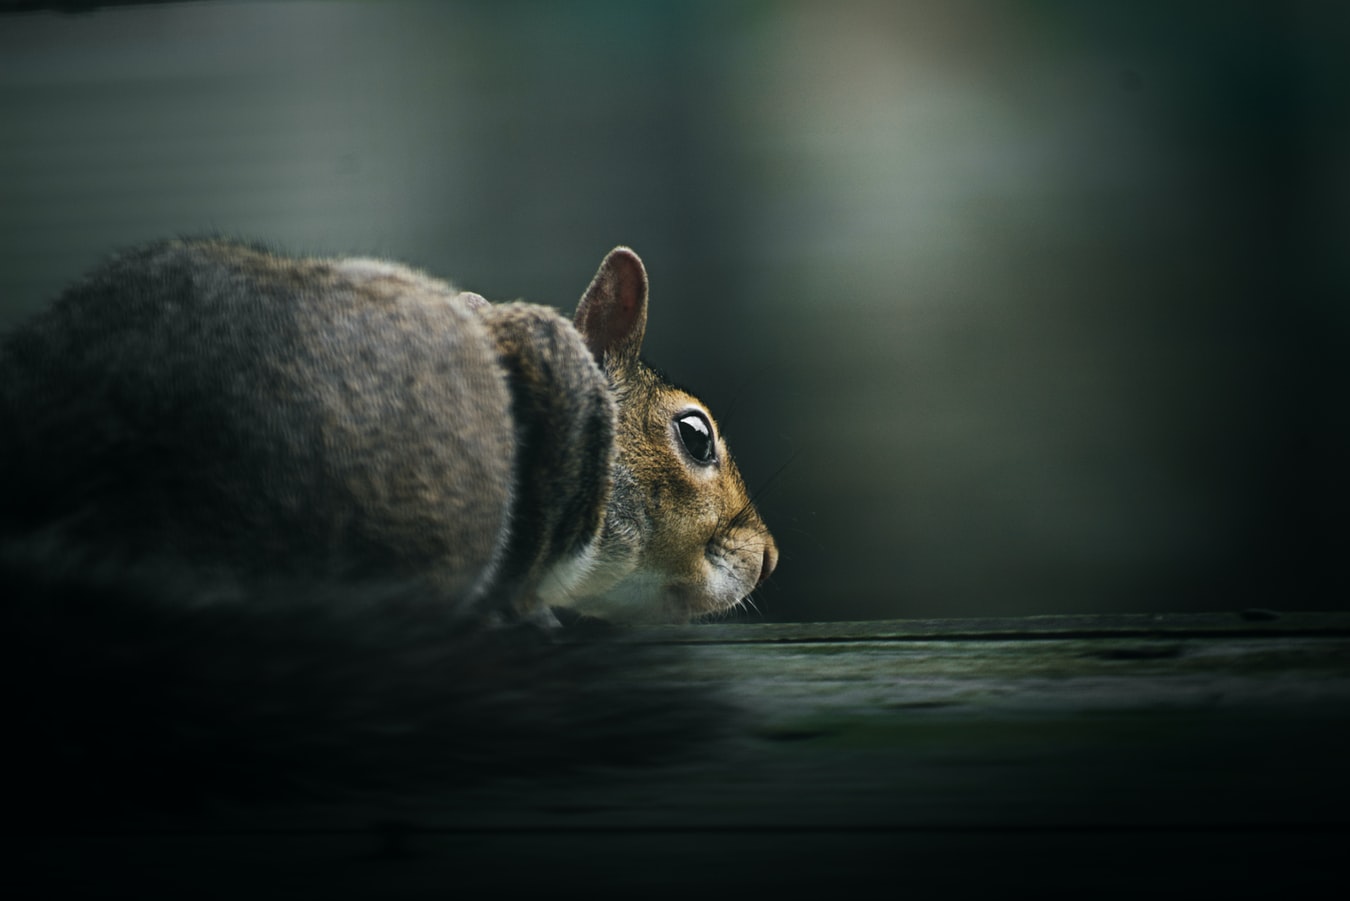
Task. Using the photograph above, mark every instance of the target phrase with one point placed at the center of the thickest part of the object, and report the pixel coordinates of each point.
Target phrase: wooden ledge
(1142, 755)
(1251, 623)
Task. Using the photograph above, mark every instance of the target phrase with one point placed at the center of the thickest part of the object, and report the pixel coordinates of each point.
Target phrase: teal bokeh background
(1010, 308)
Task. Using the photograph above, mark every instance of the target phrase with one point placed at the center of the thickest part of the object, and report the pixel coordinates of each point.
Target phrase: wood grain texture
(1159, 754)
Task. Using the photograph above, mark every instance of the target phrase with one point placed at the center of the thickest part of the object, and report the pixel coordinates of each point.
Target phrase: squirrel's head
(681, 538)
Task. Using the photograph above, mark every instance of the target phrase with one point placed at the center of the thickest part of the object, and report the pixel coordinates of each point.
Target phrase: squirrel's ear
(612, 315)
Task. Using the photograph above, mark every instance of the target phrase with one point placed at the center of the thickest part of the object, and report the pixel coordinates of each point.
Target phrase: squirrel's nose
(767, 567)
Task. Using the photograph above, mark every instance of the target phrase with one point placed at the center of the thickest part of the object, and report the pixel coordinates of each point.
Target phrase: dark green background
(1010, 308)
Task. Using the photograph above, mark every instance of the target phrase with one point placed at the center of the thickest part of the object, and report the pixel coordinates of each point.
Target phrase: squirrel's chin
(645, 597)
(641, 598)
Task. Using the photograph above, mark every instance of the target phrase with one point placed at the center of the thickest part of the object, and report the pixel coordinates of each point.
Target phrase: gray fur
(262, 417)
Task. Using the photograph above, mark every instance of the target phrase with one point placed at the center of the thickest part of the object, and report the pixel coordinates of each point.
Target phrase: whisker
(759, 493)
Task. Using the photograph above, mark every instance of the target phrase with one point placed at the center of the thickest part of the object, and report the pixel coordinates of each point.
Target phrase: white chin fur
(651, 596)
(726, 587)
(566, 578)
(618, 589)
(640, 597)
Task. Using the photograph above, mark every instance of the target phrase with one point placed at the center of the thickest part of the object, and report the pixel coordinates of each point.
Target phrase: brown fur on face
(682, 538)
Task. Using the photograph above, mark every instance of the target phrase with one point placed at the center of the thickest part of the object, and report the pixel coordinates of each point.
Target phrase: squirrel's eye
(697, 436)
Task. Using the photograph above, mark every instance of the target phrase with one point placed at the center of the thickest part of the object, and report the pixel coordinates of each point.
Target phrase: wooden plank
(1252, 622)
(953, 755)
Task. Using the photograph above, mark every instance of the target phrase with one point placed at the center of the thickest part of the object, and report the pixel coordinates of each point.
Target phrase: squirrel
(255, 508)
(231, 409)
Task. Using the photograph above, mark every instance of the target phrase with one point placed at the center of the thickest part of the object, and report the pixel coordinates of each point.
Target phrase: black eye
(697, 436)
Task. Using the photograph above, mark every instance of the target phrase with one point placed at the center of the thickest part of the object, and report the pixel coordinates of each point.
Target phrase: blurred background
(1006, 308)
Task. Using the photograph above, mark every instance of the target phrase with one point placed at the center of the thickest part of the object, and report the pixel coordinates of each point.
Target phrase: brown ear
(612, 315)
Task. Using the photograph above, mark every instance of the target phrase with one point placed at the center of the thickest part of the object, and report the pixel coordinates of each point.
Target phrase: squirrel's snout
(770, 561)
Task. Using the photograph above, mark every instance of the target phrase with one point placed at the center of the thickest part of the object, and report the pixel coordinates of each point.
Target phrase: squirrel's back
(217, 405)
